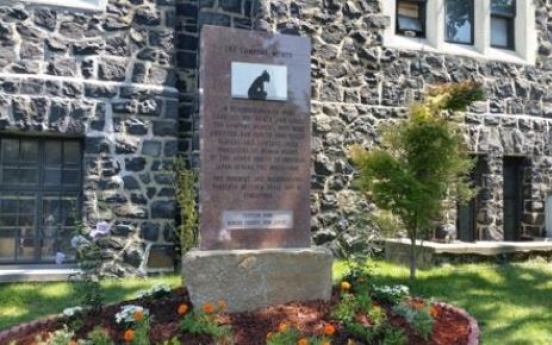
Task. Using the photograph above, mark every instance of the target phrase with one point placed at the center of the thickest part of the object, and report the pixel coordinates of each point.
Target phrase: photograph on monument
(257, 81)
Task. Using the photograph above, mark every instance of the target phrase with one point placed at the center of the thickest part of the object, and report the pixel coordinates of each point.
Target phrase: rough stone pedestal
(251, 279)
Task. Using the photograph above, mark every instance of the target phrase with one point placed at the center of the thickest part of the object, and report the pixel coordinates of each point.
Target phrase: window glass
(38, 212)
(503, 7)
(459, 21)
(53, 152)
(10, 151)
(29, 151)
(410, 17)
(499, 32)
(71, 152)
(502, 23)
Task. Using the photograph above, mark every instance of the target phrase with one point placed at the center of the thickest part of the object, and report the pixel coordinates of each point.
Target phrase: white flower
(158, 289)
(60, 258)
(102, 229)
(78, 241)
(72, 311)
(127, 313)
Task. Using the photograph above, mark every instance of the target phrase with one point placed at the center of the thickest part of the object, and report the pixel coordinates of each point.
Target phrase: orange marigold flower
(129, 335)
(326, 343)
(269, 335)
(138, 315)
(345, 286)
(433, 312)
(222, 305)
(182, 309)
(303, 341)
(329, 329)
(282, 327)
(208, 308)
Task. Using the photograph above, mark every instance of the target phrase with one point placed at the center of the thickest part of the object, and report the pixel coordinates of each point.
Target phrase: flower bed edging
(474, 334)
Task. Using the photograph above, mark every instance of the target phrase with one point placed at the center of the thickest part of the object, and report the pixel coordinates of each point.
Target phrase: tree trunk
(412, 259)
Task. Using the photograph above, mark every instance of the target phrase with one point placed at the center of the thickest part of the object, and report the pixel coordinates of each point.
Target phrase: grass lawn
(21, 302)
(512, 303)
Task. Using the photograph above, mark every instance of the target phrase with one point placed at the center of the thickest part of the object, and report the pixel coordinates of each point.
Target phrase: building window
(459, 24)
(503, 14)
(503, 30)
(40, 188)
(411, 18)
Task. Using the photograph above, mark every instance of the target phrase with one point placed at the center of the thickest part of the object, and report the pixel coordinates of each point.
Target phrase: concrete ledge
(252, 279)
(43, 273)
(433, 253)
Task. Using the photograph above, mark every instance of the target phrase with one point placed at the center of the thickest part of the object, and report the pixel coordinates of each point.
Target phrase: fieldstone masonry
(358, 83)
(125, 80)
(107, 77)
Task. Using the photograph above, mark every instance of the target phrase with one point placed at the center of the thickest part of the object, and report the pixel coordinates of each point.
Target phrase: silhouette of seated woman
(256, 90)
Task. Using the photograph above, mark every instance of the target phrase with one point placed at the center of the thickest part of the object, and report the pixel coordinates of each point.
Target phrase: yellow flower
(208, 308)
(129, 335)
(329, 329)
(222, 305)
(345, 286)
(283, 327)
(303, 341)
(182, 309)
(138, 315)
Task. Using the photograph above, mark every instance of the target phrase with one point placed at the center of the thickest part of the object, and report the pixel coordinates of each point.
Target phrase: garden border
(473, 338)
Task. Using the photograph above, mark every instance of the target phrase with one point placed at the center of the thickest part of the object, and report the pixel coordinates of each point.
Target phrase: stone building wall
(357, 83)
(107, 77)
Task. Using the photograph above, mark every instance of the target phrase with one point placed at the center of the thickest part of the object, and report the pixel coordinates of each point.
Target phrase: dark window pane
(10, 151)
(29, 151)
(52, 177)
(8, 220)
(68, 211)
(8, 206)
(71, 177)
(71, 152)
(503, 7)
(8, 232)
(26, 220)
(459, 21)
(10, 176)
(52, 152)
(28, 176)
(500, 32)
(27, 206)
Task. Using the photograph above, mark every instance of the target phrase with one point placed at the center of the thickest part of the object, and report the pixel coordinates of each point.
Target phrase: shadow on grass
(511, 303)
(23, 302)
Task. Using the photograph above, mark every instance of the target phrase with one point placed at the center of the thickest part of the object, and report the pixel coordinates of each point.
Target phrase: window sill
(420, 44)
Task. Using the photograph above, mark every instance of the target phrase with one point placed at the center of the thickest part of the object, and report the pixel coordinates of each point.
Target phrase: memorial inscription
(255, 140)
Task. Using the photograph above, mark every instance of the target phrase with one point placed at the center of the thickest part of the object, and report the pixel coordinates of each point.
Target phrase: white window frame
(90, 5)
(525, 36)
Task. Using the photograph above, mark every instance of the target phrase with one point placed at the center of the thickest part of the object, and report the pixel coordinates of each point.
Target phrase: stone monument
(255, 174)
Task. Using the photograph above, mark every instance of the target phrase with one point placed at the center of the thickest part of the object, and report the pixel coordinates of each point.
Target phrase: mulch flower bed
(452, 326)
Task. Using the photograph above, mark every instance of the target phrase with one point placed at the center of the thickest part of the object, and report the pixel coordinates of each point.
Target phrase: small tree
(186, 192)
(421, 162)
